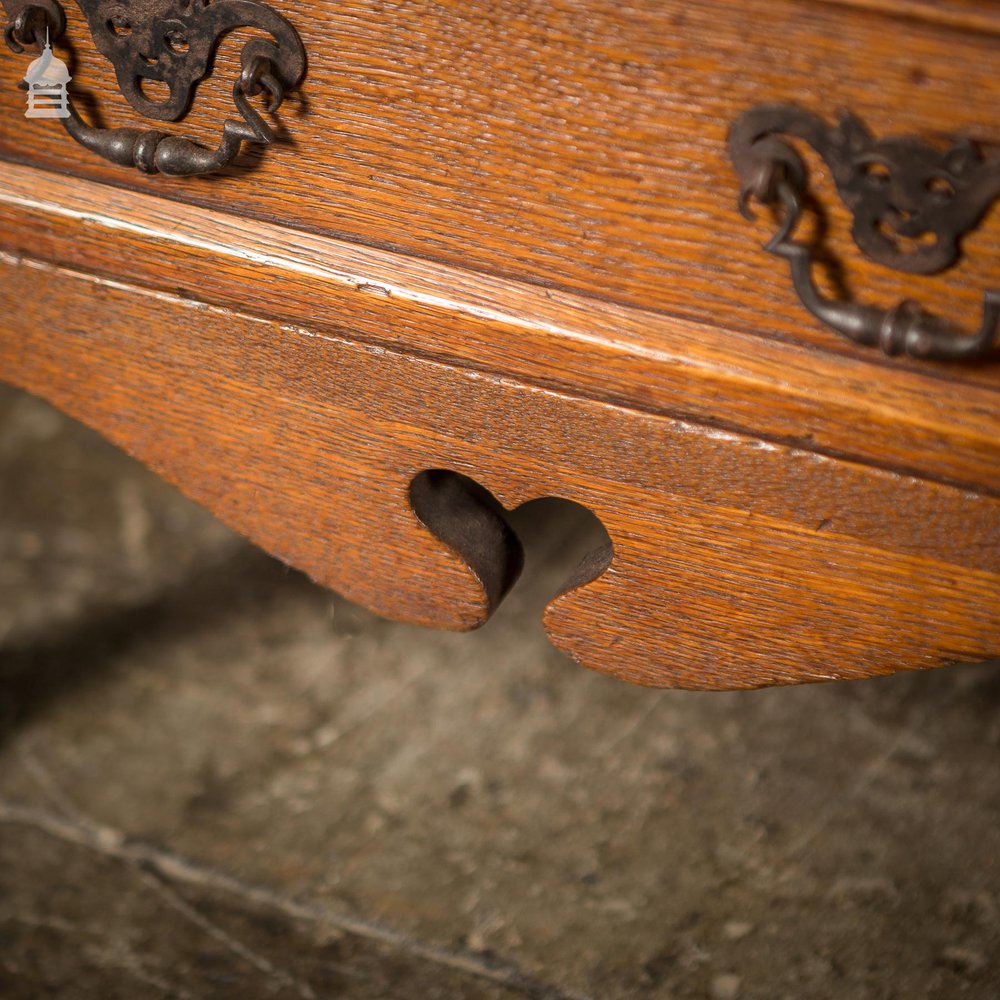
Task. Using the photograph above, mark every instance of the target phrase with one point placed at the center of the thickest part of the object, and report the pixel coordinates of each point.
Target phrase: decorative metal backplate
(912, 204)
(172, 42)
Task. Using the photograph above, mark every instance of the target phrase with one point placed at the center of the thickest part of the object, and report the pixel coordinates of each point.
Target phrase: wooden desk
(502, 240)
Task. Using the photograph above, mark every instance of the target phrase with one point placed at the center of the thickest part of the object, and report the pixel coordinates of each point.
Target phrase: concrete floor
(217, 780)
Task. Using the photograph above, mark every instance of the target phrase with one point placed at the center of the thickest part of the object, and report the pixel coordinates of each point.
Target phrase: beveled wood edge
(964, 19)
(839, 405)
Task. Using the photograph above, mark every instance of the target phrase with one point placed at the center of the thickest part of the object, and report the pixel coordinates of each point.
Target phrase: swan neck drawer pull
(161, 50)
(912, 204)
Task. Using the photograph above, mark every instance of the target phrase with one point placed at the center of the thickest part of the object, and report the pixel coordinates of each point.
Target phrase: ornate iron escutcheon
(172, 42)
(912, 204)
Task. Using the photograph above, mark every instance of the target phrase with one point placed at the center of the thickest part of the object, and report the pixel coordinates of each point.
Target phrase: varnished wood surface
(502, 240)
(736, 562)
(832, 403)
(580, 144)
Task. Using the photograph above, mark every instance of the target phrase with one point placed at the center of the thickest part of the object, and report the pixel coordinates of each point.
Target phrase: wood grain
(736, 562)
(579, 144)
(835, 404)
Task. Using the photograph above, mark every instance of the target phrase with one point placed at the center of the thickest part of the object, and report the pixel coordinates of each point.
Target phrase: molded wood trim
(827, 402)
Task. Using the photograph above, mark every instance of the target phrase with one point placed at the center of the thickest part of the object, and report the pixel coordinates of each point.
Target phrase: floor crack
(170, 867)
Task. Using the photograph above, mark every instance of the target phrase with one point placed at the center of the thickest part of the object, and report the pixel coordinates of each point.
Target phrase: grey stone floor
(217, 780)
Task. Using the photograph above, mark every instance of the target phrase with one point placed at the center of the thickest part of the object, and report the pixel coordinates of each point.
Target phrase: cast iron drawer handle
(172, 42)
(912, 205)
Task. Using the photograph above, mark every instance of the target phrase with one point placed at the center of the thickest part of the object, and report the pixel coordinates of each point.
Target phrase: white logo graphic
(47, 80)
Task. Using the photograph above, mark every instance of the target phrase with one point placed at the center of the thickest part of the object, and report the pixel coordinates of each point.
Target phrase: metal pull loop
(912, 205)
(143, 49)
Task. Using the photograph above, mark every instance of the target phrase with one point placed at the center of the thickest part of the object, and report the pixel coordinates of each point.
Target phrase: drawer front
(575, 145)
